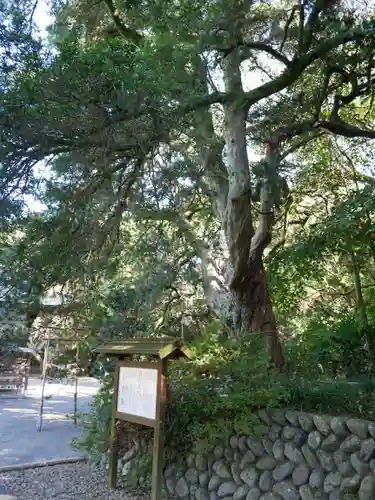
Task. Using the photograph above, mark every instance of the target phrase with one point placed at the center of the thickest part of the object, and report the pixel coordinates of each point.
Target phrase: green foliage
(135, 165)
(97, 422)
(213, 397)
(331, 350)
(217, 395)
(356, 398)
(332, 370)
(140, 471)
(12, 338)
(114, 114)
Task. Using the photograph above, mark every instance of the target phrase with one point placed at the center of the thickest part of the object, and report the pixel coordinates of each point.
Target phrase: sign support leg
(45, 367)
(113, 452)
(75, 399)
(158, 454)
(76, 387)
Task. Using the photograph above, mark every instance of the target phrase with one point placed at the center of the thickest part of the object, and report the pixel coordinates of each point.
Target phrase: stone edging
(45, 463)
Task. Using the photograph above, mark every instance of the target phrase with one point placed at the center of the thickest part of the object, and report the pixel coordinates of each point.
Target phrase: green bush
(214, 396)
(95, 438)
(140, 471)
(334, 397)
(219, 393)
(331, 369)
(339, 350)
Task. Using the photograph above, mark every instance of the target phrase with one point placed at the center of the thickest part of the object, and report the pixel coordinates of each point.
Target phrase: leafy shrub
(211, 398)
(330, 370)
(217, 395)
(140, 471)
(335, 397)
(331, 350)
(96, 423)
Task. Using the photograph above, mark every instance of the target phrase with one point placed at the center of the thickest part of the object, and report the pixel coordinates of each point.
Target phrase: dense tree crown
(196, 161)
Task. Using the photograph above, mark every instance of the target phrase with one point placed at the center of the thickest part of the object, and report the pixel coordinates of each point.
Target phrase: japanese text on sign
(137, 391)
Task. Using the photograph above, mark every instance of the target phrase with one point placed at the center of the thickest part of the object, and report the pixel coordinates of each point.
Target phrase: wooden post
(113, 453)
(158, 454)
(27, 375)
(75, 399)
(45, 364)
(76, 387)
(113, 445)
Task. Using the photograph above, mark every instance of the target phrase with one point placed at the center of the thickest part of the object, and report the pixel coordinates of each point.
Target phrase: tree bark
(253, 311)
(359, 299)
(239, 295)
(251, 303)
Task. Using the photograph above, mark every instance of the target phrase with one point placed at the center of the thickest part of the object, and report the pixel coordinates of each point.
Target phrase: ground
(19, 440)
(64, 482)
(20, 443)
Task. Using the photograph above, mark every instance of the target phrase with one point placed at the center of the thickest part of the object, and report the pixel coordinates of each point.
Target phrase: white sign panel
(137, 390)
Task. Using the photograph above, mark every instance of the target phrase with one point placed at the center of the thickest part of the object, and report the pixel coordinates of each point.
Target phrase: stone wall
(301, 456)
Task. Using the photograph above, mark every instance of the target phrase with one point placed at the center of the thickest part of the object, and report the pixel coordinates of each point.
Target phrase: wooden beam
(158, 454)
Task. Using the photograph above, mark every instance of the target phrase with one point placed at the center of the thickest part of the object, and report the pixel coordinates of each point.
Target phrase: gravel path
(63, 482)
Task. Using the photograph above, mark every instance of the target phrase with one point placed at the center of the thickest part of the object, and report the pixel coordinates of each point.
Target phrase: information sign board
(137, 392)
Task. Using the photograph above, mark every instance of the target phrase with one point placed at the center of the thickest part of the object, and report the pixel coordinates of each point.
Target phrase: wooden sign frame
(157, 424)
(129, 417)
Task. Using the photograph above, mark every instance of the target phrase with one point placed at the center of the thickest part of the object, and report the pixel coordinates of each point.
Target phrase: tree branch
(179, 221)
(301, 24)
(263, 47)
(308, 29)
(131, 35)
(262, 235)
(354, 175)
(44, 145)
(215, 289)
(350, 35)
(289, 76)
(302, 142)
(345, 129)
(32, 13)
(288, 23)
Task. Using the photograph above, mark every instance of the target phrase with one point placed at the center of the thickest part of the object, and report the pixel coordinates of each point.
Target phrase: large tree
(144, 110)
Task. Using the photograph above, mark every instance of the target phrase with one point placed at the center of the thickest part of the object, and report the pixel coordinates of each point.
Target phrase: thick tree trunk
(251, 304)
(239, 296)
(253, 312)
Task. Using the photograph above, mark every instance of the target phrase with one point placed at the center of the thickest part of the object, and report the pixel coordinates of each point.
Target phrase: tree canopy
(196, 161)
